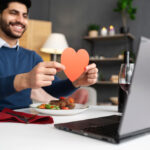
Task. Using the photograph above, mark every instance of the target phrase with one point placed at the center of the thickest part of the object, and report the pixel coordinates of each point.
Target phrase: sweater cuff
(70, 84)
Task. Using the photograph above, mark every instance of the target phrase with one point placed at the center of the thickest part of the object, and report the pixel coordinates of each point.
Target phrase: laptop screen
(137, 109)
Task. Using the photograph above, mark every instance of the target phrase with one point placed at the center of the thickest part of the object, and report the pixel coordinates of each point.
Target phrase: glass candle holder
(111, 30)
(104, 31)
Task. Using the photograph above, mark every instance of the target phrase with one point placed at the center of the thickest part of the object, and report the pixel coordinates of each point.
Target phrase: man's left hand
(89, 77)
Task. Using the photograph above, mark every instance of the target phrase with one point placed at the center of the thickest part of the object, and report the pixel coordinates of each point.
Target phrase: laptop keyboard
(109, 130)
(91, 124)
(100, 128)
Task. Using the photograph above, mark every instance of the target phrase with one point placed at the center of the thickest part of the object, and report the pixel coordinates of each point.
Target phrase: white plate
(78, 109)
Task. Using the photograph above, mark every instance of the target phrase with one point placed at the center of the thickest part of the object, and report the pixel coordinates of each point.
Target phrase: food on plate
(48, 106)
(62, 103)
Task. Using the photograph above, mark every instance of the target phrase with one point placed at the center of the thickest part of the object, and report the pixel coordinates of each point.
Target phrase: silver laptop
(135, 119)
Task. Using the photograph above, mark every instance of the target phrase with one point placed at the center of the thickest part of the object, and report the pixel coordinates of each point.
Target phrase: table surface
(17, 136)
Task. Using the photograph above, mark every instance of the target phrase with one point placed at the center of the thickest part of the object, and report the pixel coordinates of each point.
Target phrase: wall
(72, 17)
(40, 10)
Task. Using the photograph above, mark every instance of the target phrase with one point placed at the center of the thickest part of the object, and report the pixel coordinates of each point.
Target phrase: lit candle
(103, 31)
(111, 30)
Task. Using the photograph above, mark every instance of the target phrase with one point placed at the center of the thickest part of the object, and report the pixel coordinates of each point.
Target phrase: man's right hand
(41, 75)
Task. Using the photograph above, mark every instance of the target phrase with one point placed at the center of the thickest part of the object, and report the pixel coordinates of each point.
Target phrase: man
(22, 70)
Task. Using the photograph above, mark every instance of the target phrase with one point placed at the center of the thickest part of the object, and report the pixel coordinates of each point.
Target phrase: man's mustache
(17, 23)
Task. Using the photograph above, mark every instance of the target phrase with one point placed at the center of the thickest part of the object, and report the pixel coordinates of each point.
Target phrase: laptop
(135, 118)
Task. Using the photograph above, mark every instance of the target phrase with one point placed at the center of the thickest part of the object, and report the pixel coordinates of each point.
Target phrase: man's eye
(13, 12)
(25, 16)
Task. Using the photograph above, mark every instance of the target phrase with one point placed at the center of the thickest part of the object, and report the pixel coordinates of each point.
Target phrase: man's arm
(60, 88)
(40, 76)
(39, 95)
(7, 86)
(66, 87)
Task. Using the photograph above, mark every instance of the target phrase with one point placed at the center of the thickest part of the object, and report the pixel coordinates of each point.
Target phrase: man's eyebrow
(14, 10)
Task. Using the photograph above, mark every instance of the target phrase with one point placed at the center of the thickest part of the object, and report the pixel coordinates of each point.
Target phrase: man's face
(14, 20)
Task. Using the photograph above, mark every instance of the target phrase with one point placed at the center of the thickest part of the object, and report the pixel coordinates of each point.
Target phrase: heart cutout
(75, 62)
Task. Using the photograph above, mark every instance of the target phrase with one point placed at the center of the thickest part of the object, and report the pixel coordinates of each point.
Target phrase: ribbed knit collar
(5, 44)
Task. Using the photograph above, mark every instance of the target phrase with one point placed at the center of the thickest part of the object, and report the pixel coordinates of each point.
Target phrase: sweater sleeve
(36, 58)
(60, 88)
(6, 86)
(7, 82)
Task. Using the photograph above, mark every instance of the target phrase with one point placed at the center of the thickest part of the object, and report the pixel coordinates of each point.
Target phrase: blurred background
(72, 17)
(75, 18)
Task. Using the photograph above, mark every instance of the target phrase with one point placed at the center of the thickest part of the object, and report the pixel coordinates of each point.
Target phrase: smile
(17, 28)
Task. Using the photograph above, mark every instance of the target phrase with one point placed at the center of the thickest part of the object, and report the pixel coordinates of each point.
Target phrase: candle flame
(111, 27)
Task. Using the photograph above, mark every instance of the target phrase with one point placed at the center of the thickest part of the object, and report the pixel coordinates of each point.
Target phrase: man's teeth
(19, 27)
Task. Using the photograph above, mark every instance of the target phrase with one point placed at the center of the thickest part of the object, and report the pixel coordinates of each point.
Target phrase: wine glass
(125, 76)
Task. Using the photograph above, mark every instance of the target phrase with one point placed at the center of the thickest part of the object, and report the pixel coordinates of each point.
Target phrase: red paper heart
(75, 62)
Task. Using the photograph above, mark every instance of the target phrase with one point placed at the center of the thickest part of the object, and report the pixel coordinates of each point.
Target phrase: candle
(111, 30)
(104, 31)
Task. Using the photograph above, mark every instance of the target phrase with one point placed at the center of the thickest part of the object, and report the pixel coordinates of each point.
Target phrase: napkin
(8, 115)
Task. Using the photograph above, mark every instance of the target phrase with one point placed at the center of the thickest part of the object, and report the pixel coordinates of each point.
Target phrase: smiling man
(22, 70)
(13, 22)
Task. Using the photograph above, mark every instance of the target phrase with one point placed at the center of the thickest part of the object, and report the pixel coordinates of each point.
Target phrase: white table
(17, 136)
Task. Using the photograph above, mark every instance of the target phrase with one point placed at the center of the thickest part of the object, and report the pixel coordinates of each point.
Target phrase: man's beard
(5, 28)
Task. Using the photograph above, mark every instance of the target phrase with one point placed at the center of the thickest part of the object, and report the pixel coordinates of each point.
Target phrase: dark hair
(4, 3)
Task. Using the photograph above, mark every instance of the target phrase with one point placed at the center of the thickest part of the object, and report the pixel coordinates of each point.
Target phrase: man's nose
(20, 19)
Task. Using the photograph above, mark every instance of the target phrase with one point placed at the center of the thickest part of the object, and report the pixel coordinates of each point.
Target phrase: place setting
(57, 111)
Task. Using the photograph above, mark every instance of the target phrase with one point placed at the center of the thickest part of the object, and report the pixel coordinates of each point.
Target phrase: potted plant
(127, 10)
(93, 30)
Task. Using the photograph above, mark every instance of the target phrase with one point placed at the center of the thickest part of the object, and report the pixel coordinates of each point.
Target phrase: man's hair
(4, 3)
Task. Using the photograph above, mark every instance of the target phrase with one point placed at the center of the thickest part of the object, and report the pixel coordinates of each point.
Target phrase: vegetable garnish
(48, 106)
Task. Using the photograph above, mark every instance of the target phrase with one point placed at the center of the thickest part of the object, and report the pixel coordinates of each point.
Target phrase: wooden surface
(106, 59)
(116, 36)
(106, 82)
(35, 36)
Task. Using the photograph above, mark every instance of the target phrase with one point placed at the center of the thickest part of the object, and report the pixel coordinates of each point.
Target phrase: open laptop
(135, 119)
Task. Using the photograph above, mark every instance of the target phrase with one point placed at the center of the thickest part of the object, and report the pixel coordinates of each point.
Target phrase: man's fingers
(48, 77)
(46, 83)
(42, 83)
(49, 71)
(92, 76)
(92, 81)
(92, 71)
(52, 64)
(91, 66)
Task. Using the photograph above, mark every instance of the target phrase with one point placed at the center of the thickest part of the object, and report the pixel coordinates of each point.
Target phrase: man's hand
(89, 77)
(41, 75)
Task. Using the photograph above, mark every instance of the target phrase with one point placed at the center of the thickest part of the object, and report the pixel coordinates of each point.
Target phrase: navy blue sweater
(13, 62)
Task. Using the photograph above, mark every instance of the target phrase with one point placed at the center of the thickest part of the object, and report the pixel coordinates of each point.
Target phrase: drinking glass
(125, 76)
